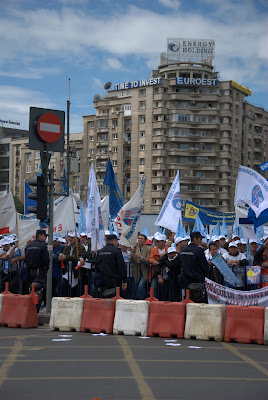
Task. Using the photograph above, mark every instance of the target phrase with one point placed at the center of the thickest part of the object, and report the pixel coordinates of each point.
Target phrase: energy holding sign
(190, 49)
(46, 129)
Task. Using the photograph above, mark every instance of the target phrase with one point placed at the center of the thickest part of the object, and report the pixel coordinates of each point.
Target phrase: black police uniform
(37, 261)
(195, 268)
(110, 264)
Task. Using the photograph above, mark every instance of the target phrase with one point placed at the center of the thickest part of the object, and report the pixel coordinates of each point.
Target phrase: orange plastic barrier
(245, 324)
(187, 300)
(98, 314)
(19, 310)
(264, 277)
(167, 319)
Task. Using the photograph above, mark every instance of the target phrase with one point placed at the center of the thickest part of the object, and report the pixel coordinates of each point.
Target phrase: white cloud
(173, 4)
(114, 63)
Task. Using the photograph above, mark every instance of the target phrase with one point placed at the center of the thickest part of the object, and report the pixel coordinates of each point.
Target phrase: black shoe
(40, 323)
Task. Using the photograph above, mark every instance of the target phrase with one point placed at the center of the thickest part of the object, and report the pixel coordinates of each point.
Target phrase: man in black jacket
(110, 264)
(37, 261)
(195, 267)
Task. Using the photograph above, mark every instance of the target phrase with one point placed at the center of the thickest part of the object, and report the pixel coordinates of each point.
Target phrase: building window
(37, 154)
(142, 147)
(220, 203)
(220, 175)
(114, 135)
(77, 181)
(28, 169)
(220, 188)
(91, 124)
(114, 149)
(28, 156)
(142, 133)
(126, 107)
(142, 161)
(36, 167)
(142, 119)
(142, 92)
(142, 104)
(114, 162)
(91, 138)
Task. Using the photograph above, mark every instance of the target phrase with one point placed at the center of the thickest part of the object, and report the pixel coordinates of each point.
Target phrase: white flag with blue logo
(170, 213)
(251, 190)
(93, 213)
(128, 218)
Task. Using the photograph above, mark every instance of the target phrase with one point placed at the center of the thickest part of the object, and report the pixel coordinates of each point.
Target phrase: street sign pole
(50, 240)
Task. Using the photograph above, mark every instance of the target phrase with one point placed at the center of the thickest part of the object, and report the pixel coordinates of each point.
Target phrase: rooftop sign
(197, 81)
(190, 49)
(243, 89)
(136, 84)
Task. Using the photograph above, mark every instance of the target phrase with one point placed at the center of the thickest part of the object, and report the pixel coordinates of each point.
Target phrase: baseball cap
(5, 241)
(243, 241)
(160, 236)
(179, 239)
(72, 234)
(232, 244)
(83, 234)
(171, 250)
(41, 232)
(196, 235)
(253, 241)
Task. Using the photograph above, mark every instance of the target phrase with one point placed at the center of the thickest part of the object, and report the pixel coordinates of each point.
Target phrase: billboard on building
(190, 49)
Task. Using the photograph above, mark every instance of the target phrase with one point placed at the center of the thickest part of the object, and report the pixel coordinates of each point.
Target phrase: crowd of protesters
(169, 264)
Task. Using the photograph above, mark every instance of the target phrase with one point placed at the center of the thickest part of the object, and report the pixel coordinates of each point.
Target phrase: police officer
(37, 261)
(195, 268)
(111, 266)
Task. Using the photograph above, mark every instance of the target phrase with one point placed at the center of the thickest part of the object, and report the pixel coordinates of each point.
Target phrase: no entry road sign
(46, 129)
(49, 127)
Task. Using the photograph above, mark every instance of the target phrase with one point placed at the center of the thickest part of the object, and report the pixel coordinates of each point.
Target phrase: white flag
(63, 221)
(105, 212)
(251, 190)
(93, 213)
(170, 213)
(128, 218)
(7, 214)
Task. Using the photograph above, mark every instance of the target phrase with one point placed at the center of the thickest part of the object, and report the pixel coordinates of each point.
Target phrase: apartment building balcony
(159, 180)
(159, 152)
(179, 96)
(225, 140)
(226, 113)
(159, 167)
(160, 110)
(161, 97)
(159, 138)
(160, 124)
(159, 194)
(102, 155)
(101, 168)
(102, 143)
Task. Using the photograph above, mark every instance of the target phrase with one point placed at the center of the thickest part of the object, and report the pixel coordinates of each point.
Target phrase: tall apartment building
(181, 118)
(19, 163)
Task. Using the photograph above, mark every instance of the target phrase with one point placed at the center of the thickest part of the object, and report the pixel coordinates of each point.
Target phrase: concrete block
(265, 336)
(66, 314)
(131, 317)
(205, 321)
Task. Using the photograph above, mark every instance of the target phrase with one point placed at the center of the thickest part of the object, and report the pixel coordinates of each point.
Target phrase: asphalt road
(33, 365)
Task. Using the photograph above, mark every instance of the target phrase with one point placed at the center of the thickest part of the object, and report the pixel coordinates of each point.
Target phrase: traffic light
(40, 196)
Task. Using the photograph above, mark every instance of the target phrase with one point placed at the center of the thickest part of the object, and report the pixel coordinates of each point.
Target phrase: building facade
(182, 118)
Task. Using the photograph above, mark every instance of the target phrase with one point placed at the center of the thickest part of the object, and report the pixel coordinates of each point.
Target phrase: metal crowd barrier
(173, 292)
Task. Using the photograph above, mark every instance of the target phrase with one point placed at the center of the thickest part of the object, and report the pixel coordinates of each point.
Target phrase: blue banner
(208, 217)
(253, 275)
(27, 202)
(264, 166)
(115, 197)
(224, 269)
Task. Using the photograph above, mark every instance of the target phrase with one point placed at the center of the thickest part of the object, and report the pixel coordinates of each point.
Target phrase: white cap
(107, 232)
(221, 237)
(5, 241)
(243, 241)
(179, 239)
(88, 235)
(55, 238)
(214, 238)
(235, 236)
(160, 236)
(72, 234)
(232, 244)
(171, 250)
(83, 234)
(238, 241)
(253, 241)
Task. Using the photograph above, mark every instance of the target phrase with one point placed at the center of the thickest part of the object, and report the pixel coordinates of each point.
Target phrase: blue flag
(64, 184)
(82, 225)
(115, 197)
(27, 202)
(224, 228)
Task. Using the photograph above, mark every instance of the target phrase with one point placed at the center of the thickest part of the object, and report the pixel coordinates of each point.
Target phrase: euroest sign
(197, 81)
(188, 49)
(136, 84)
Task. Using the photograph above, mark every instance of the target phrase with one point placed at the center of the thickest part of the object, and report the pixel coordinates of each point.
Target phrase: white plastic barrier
(131, 317)
(1, 303)
(265, 336)
(66, 314)
(205, 321)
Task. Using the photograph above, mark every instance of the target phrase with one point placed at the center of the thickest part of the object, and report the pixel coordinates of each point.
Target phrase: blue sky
(43, 44)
